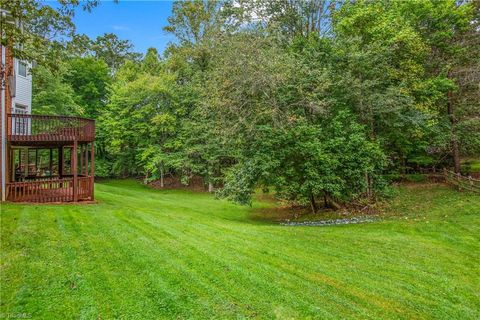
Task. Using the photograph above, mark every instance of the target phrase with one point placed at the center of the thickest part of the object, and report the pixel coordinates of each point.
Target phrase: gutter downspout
(4, 137)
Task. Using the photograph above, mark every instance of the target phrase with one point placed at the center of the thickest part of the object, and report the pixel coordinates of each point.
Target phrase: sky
(141, 22)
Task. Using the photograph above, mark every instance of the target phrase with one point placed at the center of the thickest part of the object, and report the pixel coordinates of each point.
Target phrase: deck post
(20, 162)
(75, 169)
(50, 164)
(80, 171)
(92, 168)
(60, 162)
(85, 154)
(11, 165)
(36, 161)
(27, 164)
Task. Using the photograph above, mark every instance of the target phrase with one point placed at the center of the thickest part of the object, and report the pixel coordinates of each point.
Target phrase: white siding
(23, 95)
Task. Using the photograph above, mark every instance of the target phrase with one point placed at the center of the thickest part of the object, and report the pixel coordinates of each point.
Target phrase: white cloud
(121, 28)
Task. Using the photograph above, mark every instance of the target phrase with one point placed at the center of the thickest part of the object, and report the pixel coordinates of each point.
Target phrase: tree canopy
(313, 99)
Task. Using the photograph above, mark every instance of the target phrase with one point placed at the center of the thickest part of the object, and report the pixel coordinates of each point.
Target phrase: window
(20, 124)
(22, 69)
(20, 109)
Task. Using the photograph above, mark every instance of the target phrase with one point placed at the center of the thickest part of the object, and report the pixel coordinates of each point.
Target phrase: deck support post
(85, 160)
(20, 162)
(75, 169)
(50, 164)
(80, 167)
(36, 161)
(92, 168)
(60, 162)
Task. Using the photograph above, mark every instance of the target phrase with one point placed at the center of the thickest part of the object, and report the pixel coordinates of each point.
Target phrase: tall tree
(89, 79)
(291, 18)
(35, 24)
(113, 51)
(195, 20)
(52, 94)
(450, 31)
(140, 123)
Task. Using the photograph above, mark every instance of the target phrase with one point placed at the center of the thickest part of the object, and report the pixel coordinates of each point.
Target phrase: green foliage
(140, 122)
(304, 160)
(309, 98)
(193, 21)
(89, 79)
(113, 51)
(103, 167)
(37, 26)
(52, 94)
(151, 63)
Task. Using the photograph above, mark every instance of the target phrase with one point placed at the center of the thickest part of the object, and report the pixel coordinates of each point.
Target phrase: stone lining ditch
(322, 223)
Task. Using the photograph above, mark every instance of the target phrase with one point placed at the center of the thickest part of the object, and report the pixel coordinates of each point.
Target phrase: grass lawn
(471, 165)
(148, 254)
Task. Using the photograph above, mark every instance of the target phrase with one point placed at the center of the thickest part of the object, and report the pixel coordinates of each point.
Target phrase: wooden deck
(73, 180)
(51, 190)
(27, 129)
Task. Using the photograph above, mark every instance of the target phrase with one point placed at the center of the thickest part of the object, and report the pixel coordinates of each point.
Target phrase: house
(44, 158)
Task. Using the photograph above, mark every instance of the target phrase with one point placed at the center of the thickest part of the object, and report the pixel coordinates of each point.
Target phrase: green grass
(147, 254)
(471, 165)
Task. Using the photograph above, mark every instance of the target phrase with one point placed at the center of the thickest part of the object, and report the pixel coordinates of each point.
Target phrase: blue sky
(141, 22)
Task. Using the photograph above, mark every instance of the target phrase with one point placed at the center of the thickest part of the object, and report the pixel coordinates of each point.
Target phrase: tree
(89, 79)
(113, 51)
(399, 71)
(140, 122)
(454, 39)
(195, 20)
(35, 25)
(80, 45)
(52, 95)
(283, 128)
(305, 161)
(151, 62)
(290, 18)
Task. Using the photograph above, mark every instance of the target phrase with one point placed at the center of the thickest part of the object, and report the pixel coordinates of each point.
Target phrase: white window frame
(26, 69)
(21, 126)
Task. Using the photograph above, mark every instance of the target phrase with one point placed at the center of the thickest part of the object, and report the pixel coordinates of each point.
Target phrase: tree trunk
(145, 181)
(455, 153)
(367, 184)
(210, 186)
(161, 176)
(453, 135)
(332, 203)
(313, 204)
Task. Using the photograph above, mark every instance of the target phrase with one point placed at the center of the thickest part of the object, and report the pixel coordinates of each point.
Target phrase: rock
(353, 220)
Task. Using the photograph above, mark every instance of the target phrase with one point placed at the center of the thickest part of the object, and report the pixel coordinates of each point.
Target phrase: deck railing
(50, 190)
(28, 127)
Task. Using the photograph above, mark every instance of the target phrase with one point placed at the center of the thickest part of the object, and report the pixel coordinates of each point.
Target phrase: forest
(312, 99)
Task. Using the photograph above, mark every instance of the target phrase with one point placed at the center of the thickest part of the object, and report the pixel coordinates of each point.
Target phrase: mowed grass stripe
(197, 241)
(279, 268)
(162, 258)
(199, 258)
